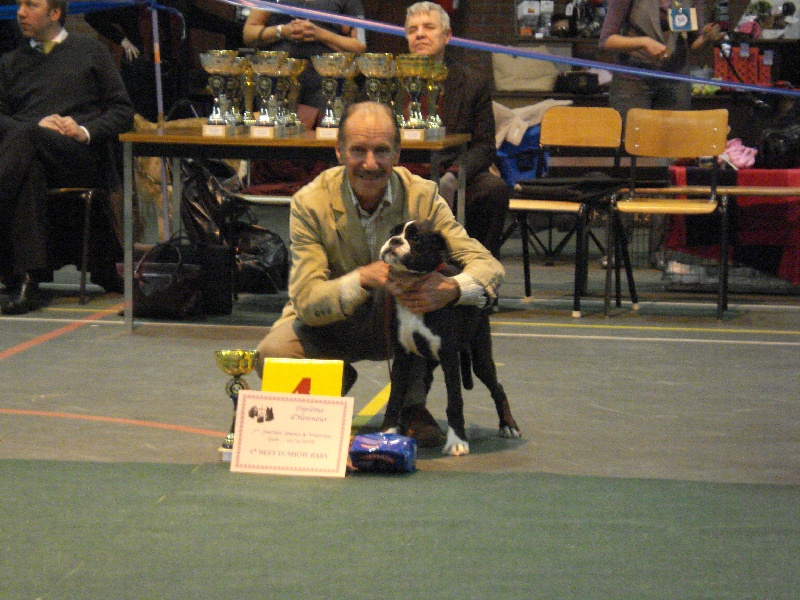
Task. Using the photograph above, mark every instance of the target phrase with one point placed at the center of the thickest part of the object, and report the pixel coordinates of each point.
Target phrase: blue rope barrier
(75, 8)
(295, 11)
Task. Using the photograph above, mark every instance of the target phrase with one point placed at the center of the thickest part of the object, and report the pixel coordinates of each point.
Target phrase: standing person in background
(302, 38)
(121, 26)
(62, 103)
(639, 32)
(466, 107)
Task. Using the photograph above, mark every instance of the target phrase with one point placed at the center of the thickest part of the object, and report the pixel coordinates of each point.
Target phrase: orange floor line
(153, 424)
(59, 332)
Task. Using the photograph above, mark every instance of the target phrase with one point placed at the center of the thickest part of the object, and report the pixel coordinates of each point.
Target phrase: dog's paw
(455, 446)
(507, 431)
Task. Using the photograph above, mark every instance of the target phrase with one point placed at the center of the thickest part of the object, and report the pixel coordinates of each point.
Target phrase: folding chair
(669, 134)
(585, 133)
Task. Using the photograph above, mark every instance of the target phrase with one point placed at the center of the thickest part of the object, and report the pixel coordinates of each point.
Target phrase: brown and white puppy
(457, 337)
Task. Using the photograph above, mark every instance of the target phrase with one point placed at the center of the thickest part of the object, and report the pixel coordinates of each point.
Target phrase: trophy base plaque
(327, 133)
(412, 135)
(211, 130)
(262, 131)
(225, 454)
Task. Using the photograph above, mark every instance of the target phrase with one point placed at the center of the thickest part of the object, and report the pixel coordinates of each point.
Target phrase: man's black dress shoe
(24, 300)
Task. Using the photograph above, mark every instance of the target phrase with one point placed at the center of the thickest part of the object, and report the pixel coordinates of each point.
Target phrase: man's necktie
(46, 47)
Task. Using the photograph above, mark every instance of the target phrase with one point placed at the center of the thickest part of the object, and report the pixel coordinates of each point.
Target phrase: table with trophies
(254, 115)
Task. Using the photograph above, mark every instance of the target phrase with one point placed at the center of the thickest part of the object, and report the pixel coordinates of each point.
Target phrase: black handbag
(262, 260)
(779, 148)
(165, 285)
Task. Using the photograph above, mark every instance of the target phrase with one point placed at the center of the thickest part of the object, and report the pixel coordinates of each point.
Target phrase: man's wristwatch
(279, 32)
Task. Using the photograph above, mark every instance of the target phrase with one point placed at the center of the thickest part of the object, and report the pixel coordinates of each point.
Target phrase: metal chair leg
(522, 219)
(626, 259)
(581, 247)
(722, 300)
(87, 197)
(610, 245)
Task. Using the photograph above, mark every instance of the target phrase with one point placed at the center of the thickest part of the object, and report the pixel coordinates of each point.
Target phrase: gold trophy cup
(332, 67)
(414, 71)
(237, 364)
(220, 65)
(295, 66)
(435, 80)
(266, 66)
(378, 69)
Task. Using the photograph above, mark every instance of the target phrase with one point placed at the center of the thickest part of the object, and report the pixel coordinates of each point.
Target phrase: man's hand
(374, 275)
(423, 293)
(65, 126)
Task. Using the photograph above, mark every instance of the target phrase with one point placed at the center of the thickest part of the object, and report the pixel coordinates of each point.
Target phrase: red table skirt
(770, 221)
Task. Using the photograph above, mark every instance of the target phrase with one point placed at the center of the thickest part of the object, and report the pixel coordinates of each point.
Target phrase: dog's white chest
(409, 323)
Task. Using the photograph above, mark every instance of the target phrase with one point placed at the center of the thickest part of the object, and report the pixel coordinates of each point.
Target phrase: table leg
(127, 227)
(177, 192)
(461, 191)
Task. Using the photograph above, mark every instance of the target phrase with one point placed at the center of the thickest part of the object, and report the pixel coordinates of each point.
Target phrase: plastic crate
(751, 69)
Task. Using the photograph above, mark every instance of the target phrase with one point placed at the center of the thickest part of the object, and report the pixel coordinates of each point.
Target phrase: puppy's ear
(398, 229)
(441, 244)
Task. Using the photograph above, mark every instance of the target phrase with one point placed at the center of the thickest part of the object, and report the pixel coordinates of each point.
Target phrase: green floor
(659, 459)
(179, 531)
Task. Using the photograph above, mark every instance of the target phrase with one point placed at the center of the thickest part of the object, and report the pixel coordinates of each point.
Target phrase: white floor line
(626, 338)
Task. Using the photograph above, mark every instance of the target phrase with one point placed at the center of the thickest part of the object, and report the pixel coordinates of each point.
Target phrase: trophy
(379, 70)
(435, 79)
(220, 66)
(414, 70)
(266, 67)
(248, 88)
(237, 364)
(294, 67)
(333, 67)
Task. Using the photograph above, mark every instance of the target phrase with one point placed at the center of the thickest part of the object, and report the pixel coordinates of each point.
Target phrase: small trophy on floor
(237, 364)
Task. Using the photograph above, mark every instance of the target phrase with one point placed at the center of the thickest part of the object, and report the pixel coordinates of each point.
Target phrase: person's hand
(423, 293)
(374, 275)
(655, 48)
(307, 30)
(65, 126)
(296, 30)
(712, 33)
(131, 51)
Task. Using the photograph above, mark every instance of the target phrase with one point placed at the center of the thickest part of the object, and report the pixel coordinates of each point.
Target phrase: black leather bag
(779, 148)
(165, 285)
(262, 260)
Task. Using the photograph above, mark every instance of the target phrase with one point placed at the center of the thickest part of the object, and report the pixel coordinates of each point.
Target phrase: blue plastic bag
(383, 453)
(521, 162)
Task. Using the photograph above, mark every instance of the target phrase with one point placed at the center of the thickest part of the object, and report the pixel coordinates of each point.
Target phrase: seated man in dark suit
(466, 107)
(61, 102)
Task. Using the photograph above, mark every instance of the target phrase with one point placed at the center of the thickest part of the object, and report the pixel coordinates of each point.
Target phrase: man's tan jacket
(328, 241)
